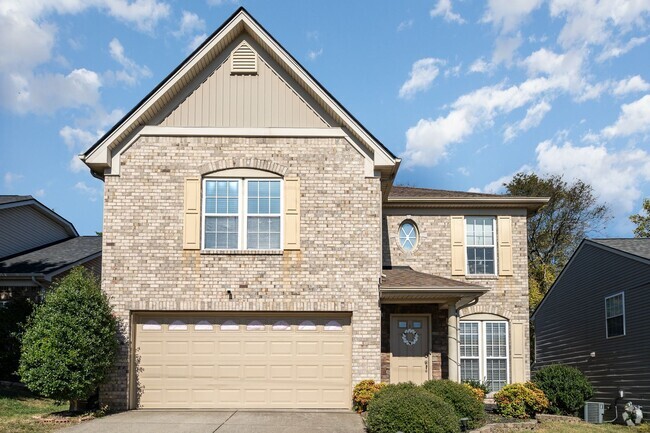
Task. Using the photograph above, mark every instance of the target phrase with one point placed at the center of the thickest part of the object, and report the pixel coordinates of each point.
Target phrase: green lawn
(17, 407)
(559, 427)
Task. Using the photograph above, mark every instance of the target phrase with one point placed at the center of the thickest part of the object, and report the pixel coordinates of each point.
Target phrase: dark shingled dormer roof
(5, 199)
(48, 259)
(636, 246)
(398, 192)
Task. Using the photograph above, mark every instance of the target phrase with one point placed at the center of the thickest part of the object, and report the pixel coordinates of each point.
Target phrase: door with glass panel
(483, 350)
(409, 344)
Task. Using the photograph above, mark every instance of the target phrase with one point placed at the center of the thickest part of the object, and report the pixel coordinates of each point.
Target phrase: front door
(409, 344)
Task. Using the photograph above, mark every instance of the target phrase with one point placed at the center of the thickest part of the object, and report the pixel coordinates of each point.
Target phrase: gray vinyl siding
(571, 324)
(23, 228)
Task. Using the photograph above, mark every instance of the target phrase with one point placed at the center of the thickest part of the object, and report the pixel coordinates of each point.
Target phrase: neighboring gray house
(596, 318)
(37, 246)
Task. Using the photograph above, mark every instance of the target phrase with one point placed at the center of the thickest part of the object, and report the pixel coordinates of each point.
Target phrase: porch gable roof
(400, 281)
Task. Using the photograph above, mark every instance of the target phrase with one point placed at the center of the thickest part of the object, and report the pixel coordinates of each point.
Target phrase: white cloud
(594, 22)
(190, 23)
(634, 119)
(314, 54)
(505, 49)
(480, 66)
(453, 71)
(196, 41)
(404, 25)
(617, 50)
(463, 170)
(86, 190)
(508, 14)
(221, 2)
(444, 9)
(46, 93)
(76, 165)
(10, 178)
(422, 74)
(77, 138)
(39, 193)
(631, 85)
(132, 72)
(534, 116)
(616, 176)
(496, 186)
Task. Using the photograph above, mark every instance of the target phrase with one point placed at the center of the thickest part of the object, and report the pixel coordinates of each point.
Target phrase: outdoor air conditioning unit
(594, 412)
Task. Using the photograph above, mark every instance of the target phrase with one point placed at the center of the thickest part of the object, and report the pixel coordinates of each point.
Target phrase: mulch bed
(63, 417)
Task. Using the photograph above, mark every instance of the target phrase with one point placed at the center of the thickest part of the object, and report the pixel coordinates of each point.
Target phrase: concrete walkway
(248, 421)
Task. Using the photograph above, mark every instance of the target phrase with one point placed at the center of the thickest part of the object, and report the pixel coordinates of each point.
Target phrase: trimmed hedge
(409, 408)
(461, 397)
(566, 388)
(520, 400)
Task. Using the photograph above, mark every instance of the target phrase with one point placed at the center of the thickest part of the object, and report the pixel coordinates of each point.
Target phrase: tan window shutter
(192, 214)
(457, 245)
(291, 214)
(504, 238)
(518, 345)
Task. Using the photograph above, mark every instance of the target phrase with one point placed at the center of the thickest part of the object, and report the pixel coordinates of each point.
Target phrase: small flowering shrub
(477, 392)
(521, 400)
(363, 392)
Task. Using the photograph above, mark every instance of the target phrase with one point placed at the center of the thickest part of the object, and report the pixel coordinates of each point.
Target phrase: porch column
(452, 342)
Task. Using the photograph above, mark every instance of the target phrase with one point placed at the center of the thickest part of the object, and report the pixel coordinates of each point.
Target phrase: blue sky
(467, 93)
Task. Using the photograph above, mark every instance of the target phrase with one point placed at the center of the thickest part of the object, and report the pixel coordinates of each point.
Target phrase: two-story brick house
(258, 254)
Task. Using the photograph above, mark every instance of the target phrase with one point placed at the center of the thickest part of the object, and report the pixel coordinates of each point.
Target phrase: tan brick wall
(508, 296)
(337, 269)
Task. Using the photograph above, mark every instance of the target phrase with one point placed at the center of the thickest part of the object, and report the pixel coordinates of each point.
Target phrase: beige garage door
(237, 361)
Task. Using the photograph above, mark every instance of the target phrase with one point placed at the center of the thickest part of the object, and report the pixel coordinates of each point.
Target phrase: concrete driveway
(243, 421)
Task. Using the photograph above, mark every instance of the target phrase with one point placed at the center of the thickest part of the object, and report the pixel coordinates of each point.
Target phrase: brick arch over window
(477, 309)
(260, 164)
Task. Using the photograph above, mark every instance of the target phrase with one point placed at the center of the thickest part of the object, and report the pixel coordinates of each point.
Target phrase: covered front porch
(419, 324)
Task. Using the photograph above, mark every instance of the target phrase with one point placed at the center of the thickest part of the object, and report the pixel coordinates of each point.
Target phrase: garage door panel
(252, 361)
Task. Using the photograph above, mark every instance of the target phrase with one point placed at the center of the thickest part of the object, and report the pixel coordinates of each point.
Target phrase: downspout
(41, 286)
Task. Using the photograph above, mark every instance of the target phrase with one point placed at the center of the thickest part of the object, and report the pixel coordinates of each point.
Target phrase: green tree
(642, 222)
(12, 320)
(70, 341)
(556, 229)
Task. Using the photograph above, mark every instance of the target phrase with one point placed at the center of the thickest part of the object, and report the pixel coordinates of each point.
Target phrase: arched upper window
(408, 235)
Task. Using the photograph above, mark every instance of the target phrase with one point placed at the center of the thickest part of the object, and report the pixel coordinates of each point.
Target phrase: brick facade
(508, 295)
(337, 269)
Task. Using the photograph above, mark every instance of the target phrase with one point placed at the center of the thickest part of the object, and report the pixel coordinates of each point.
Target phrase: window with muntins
(242, 214)
(408, 236)
(481, 245)
(483, 351)
(615, 315)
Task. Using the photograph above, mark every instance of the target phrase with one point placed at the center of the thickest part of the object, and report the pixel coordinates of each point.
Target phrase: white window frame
(622, 295)
(416, 232)
(242, 212)
(482, 348)
(494, 244)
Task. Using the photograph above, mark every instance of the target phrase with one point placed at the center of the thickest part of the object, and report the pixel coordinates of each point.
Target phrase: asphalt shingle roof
(398, 192)
(49, 258)
(405, 277)
(637, 246)
(4, 199)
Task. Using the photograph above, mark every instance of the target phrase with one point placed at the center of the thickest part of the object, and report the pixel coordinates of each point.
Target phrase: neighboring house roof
(633, 248)
(53, 258)
(9, 201)
(402, 282)
(98, 157)
(405, 196)
(5, 199)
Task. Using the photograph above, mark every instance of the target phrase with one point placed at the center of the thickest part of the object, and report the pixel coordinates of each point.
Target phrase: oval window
(408, 235)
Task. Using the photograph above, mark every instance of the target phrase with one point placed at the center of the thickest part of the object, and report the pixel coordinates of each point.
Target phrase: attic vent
(244, 60)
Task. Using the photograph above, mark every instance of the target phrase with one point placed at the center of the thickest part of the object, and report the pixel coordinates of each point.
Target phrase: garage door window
(255, 325)
(203, 325)
(151, 325)
(306, 325)
(333, 325)
(229, 325)
(281, 325)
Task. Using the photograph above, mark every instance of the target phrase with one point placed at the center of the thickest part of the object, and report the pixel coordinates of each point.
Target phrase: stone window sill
(242, 252)
(481, 277)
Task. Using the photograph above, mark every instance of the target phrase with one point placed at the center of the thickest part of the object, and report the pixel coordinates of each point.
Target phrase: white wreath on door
(410, 341)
